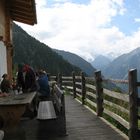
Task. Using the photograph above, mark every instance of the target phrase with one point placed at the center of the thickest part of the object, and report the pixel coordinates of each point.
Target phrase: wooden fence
(121, 107)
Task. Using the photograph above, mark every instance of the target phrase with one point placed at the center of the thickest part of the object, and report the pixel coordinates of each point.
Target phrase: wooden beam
(117, 118)
(99, 93)
(26, 13)
(23, 21)
(16, 15)
(23, 13)
(83, 87)
(22, 2)
(74, 86)
(133, 107)
(21, 7)
(117, 95)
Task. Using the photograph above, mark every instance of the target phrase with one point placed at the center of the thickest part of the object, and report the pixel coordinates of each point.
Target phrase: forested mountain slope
(31, 51)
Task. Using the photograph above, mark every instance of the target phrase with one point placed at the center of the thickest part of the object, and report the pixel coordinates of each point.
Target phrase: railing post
(63, 130)
(74, 86)
(83, 87)
(59, 80)
(133, 106)
(99, 93)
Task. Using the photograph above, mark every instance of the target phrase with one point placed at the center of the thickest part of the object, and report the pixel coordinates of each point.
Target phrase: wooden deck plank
(81, 125)
(85, 125)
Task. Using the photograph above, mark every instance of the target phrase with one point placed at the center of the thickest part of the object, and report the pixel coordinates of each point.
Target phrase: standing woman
(5, 84)
(29, 79)
(26, 78)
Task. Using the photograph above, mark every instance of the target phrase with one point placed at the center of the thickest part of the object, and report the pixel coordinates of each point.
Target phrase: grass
(117, 111)
(90, 106)
(115, 123)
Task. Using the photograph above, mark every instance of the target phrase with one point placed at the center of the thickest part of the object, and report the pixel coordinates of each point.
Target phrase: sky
(88, 27)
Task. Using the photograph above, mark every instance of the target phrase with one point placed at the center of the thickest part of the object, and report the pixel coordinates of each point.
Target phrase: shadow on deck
(81, 125)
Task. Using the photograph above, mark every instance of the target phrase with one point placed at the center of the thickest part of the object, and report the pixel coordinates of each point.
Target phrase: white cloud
(41, 3)
(83, 29)
(137, 19)
(61, 0)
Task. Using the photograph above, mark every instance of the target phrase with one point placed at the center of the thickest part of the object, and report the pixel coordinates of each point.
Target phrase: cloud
(61, 0)
(137, 19)
(82, 29)
(41, 3)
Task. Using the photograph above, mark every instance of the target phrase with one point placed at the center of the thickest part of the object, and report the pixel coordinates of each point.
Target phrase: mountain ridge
(120, 66)
(101, 62)
(78, 61)
(29, 50)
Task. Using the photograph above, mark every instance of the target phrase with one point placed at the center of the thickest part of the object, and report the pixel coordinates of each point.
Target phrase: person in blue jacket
(44, 89)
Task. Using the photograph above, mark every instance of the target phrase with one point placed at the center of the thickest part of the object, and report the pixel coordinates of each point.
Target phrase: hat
(26, 68)
(4, 75)
(20, 66)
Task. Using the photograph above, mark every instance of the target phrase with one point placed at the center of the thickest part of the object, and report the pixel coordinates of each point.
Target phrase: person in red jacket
(26, 79)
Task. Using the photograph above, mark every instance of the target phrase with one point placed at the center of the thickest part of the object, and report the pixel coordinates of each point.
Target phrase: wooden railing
(59, 104)
(121, 107)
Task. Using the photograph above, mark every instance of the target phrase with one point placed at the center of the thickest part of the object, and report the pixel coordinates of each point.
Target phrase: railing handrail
(119, 81)
(90, 90)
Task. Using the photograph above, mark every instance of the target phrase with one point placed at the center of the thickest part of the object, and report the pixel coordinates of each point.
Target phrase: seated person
(5, 84)
(44, 89)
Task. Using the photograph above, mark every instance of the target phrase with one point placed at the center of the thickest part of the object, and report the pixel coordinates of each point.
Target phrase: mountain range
(77, 61)
(29, 50)
(101, 62)
(119, 67)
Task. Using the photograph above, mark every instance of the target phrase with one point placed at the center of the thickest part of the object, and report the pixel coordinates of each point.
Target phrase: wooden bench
(1, 135)
(57, 97)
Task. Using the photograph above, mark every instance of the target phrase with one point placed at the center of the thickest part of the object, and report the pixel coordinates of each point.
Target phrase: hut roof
(23, 11)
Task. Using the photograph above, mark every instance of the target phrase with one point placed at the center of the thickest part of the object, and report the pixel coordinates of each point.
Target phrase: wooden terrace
(92, 112)
(81, 124)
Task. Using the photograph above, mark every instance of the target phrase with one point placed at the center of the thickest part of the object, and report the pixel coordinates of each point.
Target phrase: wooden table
(12, 108)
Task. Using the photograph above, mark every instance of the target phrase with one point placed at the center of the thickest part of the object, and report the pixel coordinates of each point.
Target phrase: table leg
(10, 115)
